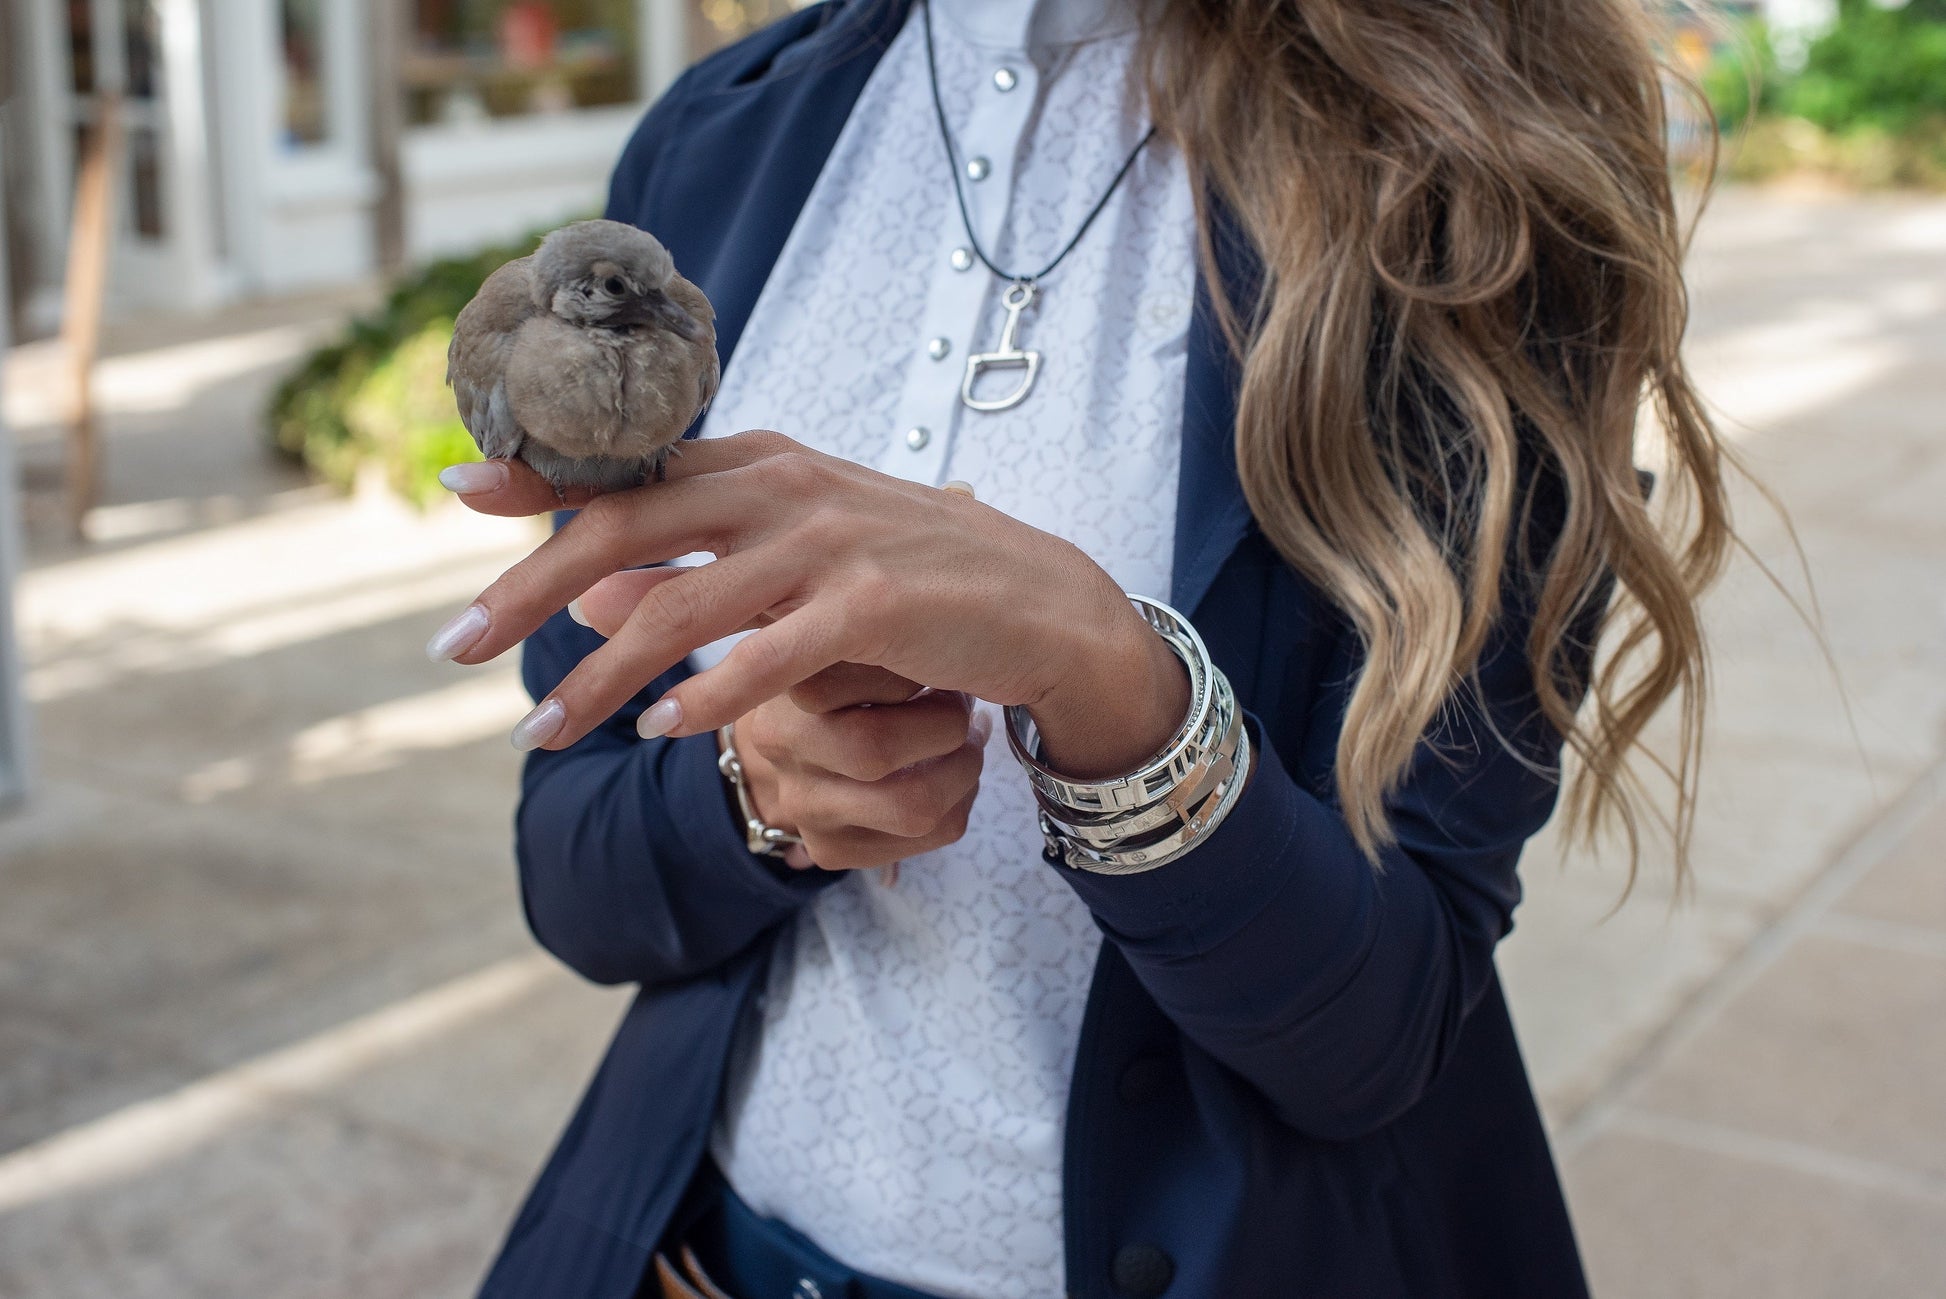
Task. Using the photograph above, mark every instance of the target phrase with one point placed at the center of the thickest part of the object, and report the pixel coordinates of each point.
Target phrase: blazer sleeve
(1338, 988)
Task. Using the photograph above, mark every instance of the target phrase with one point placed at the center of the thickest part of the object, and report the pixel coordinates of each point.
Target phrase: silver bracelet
(764, 840)
(1170, 803)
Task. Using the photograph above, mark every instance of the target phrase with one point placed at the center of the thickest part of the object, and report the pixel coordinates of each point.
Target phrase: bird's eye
(616, 288)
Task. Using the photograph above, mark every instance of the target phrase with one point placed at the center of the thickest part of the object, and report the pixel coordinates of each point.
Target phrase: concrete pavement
(1745, 1087)
(270, 1026)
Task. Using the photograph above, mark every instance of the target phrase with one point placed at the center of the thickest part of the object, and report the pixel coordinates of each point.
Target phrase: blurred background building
(275, 145)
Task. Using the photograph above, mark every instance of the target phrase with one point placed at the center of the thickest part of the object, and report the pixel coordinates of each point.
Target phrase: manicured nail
(458, 636)
(476, 476)
(540, 726)
(574, 612)
(663, 716)
(980, 729)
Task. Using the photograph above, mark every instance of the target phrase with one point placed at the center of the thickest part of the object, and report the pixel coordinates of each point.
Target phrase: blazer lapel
(1212, 516)
(747, 156)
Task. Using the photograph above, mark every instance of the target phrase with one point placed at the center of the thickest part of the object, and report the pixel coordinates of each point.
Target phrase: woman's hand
(866, 767)
(870, 774)
(830, 562)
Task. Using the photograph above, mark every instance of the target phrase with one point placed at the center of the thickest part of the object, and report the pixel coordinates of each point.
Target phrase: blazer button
(1143, 1080)
(1142, 1271)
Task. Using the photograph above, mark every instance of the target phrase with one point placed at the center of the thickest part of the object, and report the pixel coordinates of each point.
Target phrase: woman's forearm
(1335, 986)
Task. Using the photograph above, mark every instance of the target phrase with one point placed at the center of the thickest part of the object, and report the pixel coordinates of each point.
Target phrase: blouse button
(938, 348)
(916, 438)
(978, 169)
(962, 259)
(1004, 80)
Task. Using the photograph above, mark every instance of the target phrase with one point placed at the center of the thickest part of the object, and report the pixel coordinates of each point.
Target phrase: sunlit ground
(270, 1024)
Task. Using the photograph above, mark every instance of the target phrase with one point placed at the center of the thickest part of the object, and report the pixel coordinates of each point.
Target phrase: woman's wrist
(1123, 700)
(1143, 817)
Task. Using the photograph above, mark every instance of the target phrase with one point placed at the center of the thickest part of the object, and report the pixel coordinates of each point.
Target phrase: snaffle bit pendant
(1008, 356)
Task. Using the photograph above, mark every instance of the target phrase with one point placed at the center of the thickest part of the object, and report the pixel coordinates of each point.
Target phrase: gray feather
(588, 360)
(498, 433)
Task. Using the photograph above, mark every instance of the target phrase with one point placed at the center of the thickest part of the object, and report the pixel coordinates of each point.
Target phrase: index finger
(618, 531)
(512, 488)
(845, 685)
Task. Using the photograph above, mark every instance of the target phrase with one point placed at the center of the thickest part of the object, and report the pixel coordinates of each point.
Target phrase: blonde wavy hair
(1472, 272)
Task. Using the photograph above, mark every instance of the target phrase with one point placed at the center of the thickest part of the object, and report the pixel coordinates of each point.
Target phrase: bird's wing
(476, 362)
(496, 430)
(707, 382)
(692, 299)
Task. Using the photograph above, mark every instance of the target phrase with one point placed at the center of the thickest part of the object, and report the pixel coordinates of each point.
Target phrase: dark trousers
(720, 1248)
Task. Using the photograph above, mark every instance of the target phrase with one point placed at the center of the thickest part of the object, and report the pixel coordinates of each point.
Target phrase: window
(305, 111)
(122, 56)
(722, 21)
(472, 60)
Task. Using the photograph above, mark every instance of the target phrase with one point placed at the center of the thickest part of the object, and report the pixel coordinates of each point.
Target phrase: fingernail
(574, 612)
(476, 476)
(980, 729)
(540, 726)
(458, 636)
(662, 717)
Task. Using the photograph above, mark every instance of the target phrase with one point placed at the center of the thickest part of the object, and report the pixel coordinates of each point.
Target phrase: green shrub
(404, 414)
(1867, 109)
(377, 395)
(1877, 68)
(1742, 77)
(1777, 148)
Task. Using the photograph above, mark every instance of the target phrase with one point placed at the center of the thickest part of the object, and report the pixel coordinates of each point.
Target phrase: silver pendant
(1008, 356)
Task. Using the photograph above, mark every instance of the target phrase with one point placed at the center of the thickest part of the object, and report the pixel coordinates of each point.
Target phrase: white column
(242, 50)
(192, 236)
(664, 48)
(110, 55)
(40, 27)
(13, 716)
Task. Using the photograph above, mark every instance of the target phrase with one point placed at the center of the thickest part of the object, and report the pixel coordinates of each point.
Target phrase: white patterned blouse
(901, 1098)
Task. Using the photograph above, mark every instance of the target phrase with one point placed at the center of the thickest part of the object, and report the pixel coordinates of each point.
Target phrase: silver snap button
(938, 348)
(978, 168)
(806, 1288)
(1004, 80)
(916, 438)
(962, 259)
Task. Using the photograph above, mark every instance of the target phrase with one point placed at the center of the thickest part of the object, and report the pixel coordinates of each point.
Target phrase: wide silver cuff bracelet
(1171, 803)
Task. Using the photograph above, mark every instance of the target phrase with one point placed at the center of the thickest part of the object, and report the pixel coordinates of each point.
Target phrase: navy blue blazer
(1296, 1073)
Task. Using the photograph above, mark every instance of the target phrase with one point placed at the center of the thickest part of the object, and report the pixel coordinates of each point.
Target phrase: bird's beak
(666, 312)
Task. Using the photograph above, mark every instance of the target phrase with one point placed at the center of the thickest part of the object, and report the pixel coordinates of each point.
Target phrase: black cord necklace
(1021, 289)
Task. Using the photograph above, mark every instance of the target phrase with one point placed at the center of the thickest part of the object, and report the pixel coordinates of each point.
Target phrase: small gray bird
(587, 359)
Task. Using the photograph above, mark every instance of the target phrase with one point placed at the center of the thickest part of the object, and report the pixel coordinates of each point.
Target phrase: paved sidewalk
(1784, 1134)
(1745, 1089)
(270, 1025)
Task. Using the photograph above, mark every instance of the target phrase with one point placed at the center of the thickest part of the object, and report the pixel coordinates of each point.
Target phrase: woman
(1343, 363)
